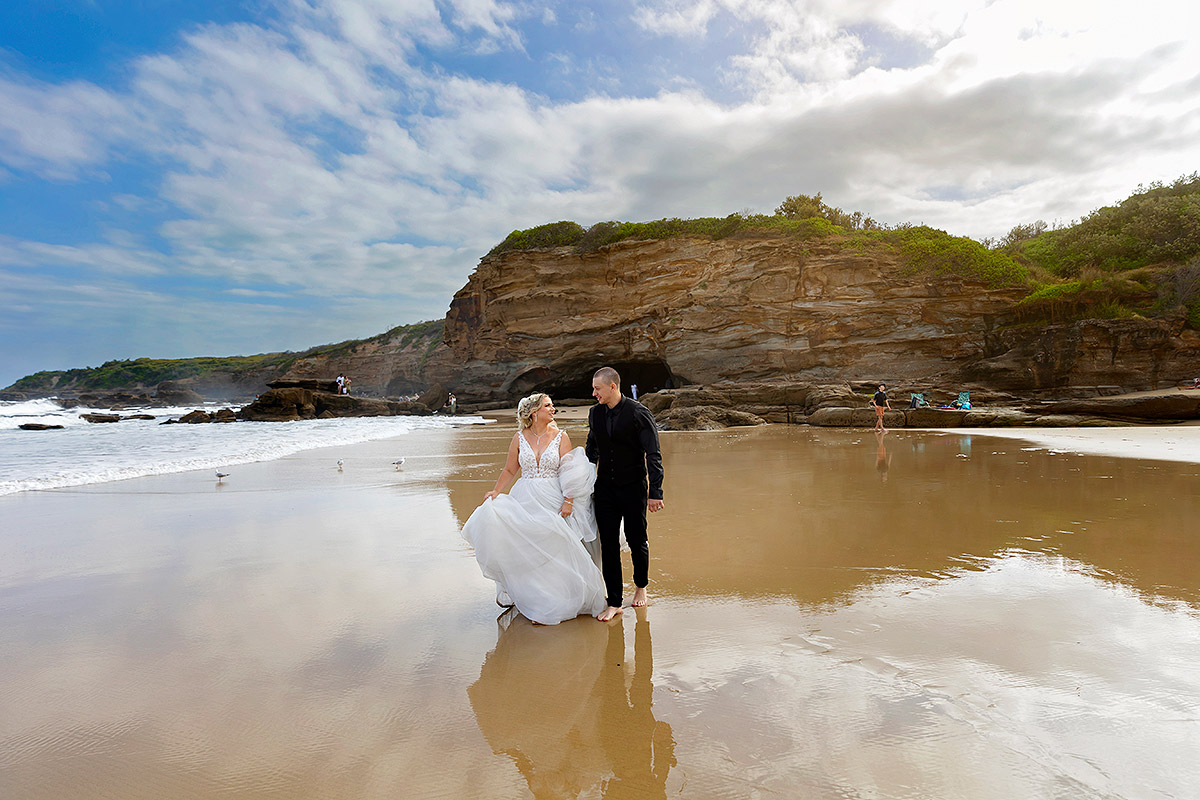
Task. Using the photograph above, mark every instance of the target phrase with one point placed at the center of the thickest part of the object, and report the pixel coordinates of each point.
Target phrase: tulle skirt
(537, 558)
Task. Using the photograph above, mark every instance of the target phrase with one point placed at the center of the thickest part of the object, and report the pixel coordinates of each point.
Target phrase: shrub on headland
(924, 250)
(571, 234)
(1155, 225)
(928, 251)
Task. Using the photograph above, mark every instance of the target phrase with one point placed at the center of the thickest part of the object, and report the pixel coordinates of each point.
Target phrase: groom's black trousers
(615, 504)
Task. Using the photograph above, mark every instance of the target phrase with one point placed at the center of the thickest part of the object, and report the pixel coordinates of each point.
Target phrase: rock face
(293, 403)
(1153, 407)
(174, 393)
(1129, 353)
(405, 362)
(673, 312)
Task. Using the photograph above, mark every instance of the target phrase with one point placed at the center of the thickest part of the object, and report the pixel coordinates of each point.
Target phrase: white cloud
(326, 154)
(56, 131)
(677, 17)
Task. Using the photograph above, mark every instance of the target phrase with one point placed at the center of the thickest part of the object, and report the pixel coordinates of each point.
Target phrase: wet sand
(930, 615)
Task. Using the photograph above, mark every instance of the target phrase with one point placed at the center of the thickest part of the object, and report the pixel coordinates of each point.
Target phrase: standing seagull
(221, 475)
(340, 463)
(398, 463)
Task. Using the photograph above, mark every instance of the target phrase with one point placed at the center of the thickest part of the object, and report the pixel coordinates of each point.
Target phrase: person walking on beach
(531, 540)
(880, 401)
(623, 441)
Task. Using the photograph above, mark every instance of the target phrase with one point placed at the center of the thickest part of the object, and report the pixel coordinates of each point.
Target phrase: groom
(623, 440)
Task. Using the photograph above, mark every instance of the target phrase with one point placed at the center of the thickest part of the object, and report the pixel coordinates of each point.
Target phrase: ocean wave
(49, 412)
(84, 453)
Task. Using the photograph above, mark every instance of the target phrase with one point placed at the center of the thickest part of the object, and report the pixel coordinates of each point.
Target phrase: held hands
(654, 505)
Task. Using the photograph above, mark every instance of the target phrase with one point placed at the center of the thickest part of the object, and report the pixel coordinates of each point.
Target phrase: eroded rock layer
(765, 308)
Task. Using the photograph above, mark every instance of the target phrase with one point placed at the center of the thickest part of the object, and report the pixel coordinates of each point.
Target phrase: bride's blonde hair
(526, 407)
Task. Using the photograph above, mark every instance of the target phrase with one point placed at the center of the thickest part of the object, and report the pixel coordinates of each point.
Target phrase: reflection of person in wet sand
(640, 749)
(883, 459)
(557, 702)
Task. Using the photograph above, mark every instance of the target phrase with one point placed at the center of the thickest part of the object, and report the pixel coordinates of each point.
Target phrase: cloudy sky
(238, 176)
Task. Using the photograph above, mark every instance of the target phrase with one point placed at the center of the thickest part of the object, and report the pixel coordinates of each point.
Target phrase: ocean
(87, 453)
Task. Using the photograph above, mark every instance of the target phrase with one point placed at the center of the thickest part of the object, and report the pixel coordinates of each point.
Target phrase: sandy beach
(945, 614)
(1151, 442)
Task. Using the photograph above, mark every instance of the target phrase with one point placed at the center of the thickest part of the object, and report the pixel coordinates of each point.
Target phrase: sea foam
(87, 453)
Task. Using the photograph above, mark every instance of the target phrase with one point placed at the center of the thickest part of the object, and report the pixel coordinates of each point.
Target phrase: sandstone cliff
(763, 307)
(403, 361)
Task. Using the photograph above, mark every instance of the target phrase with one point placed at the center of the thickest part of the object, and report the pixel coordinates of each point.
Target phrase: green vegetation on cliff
(146, 372)
(923, 250)
(1156, 225)
(1140, 257)
(929, 251)
(589, 240)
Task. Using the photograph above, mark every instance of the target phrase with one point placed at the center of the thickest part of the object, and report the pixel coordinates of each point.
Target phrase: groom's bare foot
(609, 613)
(639, 597)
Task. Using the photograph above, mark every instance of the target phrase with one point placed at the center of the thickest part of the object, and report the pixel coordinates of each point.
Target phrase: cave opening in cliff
(575, 381)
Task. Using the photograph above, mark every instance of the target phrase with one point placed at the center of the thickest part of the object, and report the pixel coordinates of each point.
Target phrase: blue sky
(182, 178)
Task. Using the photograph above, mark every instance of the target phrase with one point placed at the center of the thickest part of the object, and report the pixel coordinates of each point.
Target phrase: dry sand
(1159, 442)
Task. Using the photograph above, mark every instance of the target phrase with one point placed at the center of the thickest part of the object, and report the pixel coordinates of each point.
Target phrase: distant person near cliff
(880, 401)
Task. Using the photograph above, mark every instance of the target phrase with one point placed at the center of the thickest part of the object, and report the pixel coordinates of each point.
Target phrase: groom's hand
(654, 505)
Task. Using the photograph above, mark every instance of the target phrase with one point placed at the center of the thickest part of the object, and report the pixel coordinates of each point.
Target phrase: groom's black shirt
(623, 441)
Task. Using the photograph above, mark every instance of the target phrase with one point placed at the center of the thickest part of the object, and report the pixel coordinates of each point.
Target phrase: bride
(530, 541)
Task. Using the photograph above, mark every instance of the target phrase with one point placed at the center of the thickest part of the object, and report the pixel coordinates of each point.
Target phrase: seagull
(398, 463)
(340, 463)
(221, 475)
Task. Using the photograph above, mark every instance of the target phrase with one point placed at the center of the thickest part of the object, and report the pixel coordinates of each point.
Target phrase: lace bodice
(530, 468)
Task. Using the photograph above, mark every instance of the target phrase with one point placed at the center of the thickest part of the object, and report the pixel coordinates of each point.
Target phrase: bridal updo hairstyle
(526, 407)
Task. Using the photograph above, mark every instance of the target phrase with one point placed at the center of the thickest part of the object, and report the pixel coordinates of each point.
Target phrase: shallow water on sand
(933, 616)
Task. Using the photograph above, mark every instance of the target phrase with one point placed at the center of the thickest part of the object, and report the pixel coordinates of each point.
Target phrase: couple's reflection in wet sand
(562, 703)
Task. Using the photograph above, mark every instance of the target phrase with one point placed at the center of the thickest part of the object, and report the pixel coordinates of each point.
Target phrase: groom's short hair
(607, 375)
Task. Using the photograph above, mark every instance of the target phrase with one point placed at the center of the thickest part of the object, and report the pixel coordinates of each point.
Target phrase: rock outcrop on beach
(176, 393)
(672, 312)
(1159, 407)
(201, 417)
(294, 403)
(848, 406)
(100, 418)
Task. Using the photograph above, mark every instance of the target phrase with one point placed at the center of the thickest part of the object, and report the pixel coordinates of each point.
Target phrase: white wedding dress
(538, 559)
